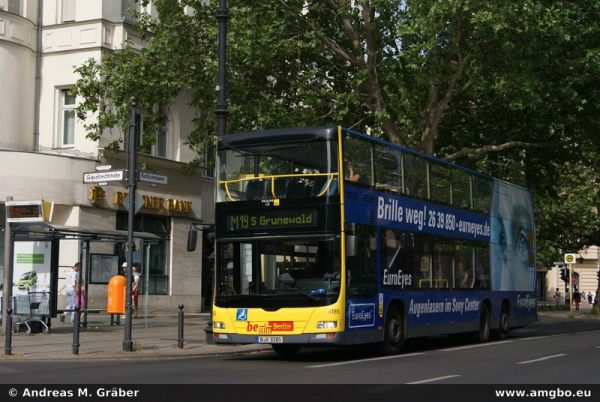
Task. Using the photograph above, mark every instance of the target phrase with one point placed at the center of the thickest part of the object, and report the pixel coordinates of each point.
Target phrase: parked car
(27, 280)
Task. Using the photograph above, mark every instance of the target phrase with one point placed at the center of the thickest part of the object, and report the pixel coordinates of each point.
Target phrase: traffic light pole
(571, 298)
(597, 295)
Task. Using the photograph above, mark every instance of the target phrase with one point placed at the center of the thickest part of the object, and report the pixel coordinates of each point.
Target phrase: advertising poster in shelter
(32, 262)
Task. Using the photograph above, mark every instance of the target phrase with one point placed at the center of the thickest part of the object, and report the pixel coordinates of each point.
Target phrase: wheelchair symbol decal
(241, 314)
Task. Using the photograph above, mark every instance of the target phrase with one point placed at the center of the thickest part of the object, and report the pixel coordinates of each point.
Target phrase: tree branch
(475, 154)
(373, 87)
(329, 42)
(294, 83)
(346, 24)
(436, 107)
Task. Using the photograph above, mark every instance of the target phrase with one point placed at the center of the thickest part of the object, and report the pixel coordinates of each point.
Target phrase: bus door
(361, 289)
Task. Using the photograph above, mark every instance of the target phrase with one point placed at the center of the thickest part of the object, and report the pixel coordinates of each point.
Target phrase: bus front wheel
(394, 338)
(286, 351)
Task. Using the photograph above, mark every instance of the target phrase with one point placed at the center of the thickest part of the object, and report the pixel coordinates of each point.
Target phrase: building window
(68, 10)
(14, 6)
(66, 118)
(155, 256)
(209, 158)
(161, 147)
(146, 8)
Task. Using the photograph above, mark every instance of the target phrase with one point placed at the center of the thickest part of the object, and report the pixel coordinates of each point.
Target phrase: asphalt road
(562, 351)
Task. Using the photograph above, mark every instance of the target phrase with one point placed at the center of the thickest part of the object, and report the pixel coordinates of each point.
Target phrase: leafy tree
(507, 87)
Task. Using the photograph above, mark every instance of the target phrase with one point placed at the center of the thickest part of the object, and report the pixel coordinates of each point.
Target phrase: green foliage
(567, 212)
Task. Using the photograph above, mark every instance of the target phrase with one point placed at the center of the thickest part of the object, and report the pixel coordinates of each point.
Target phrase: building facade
(44, 151)
(585, 272)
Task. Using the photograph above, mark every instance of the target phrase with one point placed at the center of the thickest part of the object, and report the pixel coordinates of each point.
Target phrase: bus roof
(288, 134)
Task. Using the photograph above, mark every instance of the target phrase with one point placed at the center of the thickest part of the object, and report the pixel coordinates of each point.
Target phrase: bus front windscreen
(275, 273)
(276, 170)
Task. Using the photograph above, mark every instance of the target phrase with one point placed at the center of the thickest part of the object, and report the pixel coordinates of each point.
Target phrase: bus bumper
(336, 338)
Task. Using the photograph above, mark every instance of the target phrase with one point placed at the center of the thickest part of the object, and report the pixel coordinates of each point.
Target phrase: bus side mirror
(351, 245)
(192, 239)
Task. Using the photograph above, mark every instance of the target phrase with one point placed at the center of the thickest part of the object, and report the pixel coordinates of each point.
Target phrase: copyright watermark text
(81, 392)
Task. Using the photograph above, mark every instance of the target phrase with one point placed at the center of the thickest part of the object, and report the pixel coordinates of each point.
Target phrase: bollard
(115, 319)
(180, 332)
(8, 334)
(76, 332)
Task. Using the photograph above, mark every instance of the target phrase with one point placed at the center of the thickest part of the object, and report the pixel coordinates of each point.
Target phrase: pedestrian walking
(80, 296)
(557, 297)
(577, 299)
(590, 299)
(70, 282)
(136, 290)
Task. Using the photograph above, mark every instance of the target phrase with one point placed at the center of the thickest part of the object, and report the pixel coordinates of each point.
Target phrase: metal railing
(278, 186)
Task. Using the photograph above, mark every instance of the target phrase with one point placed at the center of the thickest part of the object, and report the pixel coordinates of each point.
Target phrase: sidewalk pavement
(153, 337)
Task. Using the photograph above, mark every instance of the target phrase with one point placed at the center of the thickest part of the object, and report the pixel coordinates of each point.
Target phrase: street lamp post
(221, 109)
(131, 188)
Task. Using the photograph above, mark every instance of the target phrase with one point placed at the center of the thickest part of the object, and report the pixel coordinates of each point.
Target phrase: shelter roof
(50, 231)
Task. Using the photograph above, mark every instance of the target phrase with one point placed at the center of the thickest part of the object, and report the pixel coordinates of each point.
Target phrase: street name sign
(155, 178)
(102, 177)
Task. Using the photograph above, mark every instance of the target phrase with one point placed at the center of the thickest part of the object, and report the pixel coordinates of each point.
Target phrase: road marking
(479, 345)
(434, 379)
(5, 370)
(365, 360)
(541, 359)
(537, 337)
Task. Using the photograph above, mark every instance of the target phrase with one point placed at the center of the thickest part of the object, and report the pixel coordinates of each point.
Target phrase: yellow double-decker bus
(328, 236)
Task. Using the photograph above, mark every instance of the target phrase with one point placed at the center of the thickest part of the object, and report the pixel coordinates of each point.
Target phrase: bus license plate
(270, 339)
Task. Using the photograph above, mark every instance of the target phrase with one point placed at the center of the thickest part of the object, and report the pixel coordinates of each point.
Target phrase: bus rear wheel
(504, 327)
(286, 351)
(394, 338)
(483, 334)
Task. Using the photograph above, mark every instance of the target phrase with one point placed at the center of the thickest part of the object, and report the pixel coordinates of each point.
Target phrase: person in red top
(577, 299)
(80, 295)
(135, 290)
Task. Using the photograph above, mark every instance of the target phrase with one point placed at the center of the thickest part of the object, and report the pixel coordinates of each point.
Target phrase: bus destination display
(265, 220)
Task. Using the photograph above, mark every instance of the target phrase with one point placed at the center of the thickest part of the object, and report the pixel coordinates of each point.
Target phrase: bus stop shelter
(52, 233)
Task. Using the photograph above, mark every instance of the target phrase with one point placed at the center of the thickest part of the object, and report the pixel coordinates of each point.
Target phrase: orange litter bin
(116, 295)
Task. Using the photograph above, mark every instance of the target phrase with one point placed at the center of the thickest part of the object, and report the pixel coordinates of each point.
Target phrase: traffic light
(564, 274)
(208, 242)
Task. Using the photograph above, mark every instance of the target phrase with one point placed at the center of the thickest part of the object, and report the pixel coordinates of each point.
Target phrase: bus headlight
(218, 325)
(326, 324)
